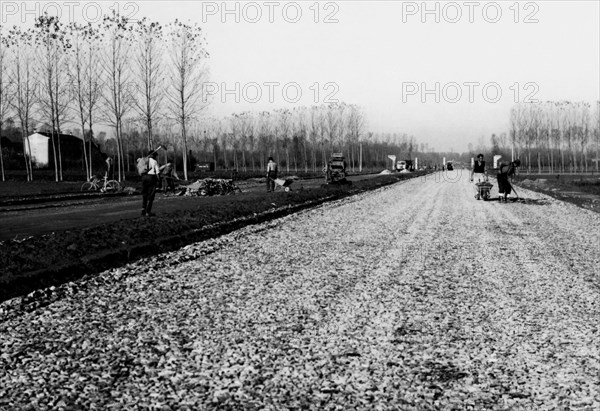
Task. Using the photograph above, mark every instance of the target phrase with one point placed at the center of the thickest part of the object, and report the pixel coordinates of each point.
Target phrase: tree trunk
(54, 152)
(2, 158)
(28, 165)
(60, 168)
(85, 155)
(184, 137)
(287, 159)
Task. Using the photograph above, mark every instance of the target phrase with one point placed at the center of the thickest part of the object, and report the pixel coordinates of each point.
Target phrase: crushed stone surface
(415, 296)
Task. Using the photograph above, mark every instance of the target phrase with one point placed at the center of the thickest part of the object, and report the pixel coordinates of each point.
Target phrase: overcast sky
(390, 57)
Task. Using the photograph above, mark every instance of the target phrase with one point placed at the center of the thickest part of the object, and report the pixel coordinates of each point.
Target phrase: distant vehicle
(449, 166)
(404, 165)
(335, 171)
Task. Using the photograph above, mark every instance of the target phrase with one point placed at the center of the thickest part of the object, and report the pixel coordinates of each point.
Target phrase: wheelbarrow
(483, 190)
(283, 184)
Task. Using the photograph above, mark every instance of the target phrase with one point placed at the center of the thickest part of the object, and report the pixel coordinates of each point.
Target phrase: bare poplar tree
(554, 134)
(314, 132)
(44, 70)
(248, 125)
(533, 134)
(94, 82)
(284, 127)
(583, 131)
(243, 124)
(332, 125)
(117, 99)
(356, 127)
(561, 109)
(323, 120)
(187, 52)
(214, 131)
(205, 138)
(149, 70)
(22, 45)
(53, 96)
(85, 81)
(567, 133)
(301, 132)
(266, 141)
(5, 91)
(233, 136)
(341, 136)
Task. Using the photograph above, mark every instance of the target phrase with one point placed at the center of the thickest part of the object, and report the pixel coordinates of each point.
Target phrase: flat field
(582, 190)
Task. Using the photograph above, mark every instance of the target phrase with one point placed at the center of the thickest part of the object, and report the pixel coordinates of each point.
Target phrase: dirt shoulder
(580, 190)
(47, 247)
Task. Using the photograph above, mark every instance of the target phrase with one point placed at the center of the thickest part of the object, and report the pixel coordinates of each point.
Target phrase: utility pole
(512, 151)
(360, 159)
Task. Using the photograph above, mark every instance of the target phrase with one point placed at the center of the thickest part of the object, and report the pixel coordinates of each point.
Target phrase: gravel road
(414, 296)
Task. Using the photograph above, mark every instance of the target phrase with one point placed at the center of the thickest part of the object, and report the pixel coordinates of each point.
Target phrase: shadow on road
(532, 201)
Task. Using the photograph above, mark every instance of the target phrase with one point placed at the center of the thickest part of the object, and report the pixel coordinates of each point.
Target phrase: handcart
(283, 184)
(483, 190)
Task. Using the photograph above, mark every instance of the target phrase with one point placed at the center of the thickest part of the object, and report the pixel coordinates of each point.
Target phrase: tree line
(83, 75)
(557, 136)
(300, 139)
(145, 81)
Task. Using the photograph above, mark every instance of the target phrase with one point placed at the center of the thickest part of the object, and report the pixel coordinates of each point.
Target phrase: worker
(271, 175)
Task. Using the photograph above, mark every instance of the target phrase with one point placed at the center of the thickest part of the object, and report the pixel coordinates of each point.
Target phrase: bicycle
(103, 185)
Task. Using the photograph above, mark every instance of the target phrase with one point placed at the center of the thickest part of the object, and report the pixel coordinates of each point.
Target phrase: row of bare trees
(301, 138)
(553, 136)
(105, 73)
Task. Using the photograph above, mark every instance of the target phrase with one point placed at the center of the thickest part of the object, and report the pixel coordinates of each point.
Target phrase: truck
(335, 170)
(404, 165)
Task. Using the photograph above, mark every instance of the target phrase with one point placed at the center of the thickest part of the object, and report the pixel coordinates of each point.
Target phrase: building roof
(49, 135)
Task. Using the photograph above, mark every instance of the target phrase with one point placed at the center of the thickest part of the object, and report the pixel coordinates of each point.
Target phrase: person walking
(109, 168)
(149, 181)
(478, 170)
(168, 176)
(271, 175)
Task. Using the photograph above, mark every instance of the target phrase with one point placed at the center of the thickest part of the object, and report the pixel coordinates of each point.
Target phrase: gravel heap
(415, 296)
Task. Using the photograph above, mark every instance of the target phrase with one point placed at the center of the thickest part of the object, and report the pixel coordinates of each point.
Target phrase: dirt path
(414, 296)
